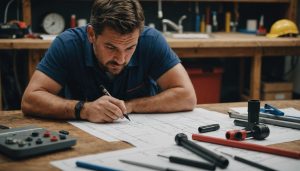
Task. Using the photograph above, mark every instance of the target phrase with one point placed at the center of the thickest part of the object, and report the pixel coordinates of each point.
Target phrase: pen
(189, 162)
(248, 162)
(104, 91)
(147, 165)
(248, 146)
(208, 128)
(93, 166)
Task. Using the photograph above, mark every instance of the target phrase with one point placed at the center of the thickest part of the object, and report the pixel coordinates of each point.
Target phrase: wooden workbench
(88, 144)
(221, 45)
(229, 45)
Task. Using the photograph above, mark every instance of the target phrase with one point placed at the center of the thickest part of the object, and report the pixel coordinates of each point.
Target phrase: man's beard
(114, 68)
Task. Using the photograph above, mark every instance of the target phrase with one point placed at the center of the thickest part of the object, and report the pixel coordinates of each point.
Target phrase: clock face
(53, 23)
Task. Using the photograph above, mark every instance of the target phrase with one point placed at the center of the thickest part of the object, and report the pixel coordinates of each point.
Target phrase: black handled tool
(188, 162)
(249, 162)
(208, 128)
(182, 140)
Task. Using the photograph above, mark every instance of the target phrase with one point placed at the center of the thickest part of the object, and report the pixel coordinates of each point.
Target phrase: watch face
(53, 23)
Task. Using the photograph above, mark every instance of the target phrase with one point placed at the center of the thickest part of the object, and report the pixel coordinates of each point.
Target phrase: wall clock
(53, 23)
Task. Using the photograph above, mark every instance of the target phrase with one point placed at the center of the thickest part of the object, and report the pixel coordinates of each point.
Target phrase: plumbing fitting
(178, 28)
(258, 132)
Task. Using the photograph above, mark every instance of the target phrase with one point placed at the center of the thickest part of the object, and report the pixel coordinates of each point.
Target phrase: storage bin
(207, 84)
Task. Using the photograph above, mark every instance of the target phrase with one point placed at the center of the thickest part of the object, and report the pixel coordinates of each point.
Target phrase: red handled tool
(245, 145)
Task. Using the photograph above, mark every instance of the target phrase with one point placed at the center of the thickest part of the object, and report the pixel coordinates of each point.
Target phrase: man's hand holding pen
(104, 109)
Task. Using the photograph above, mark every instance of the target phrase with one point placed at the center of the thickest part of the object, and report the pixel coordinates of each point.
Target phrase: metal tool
(258, 132)
(248, 162)
(253, 113)
(189, 162)
(147, 165)
(182, 140)
(208, 128)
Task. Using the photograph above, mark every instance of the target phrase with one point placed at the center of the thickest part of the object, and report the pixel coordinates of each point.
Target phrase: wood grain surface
(88, 144)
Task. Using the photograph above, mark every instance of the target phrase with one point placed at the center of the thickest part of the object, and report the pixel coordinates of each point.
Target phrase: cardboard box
(277, 91)
(277, 87)
(277, 96)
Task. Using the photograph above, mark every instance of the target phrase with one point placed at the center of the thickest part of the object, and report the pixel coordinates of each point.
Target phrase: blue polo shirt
(71, 62)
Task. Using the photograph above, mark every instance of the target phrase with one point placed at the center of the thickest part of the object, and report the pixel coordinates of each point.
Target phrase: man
(115, 51)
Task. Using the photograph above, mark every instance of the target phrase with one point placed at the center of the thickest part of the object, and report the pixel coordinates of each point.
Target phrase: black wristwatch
(78, 108)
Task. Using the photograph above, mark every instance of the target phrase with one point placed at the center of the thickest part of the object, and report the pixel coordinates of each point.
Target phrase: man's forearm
(44, 104)
(171, 100)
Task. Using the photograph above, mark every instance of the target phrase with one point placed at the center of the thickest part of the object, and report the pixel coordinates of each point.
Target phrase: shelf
(289, 7)
(241, 1)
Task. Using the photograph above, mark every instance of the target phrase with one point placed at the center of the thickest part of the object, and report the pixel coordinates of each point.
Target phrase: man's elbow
(25, 105)
(190, 101)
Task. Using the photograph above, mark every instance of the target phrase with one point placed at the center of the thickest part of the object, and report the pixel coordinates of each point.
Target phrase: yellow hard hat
(283, 27)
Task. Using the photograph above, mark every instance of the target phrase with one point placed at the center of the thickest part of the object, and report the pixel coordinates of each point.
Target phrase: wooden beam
(291, 12)
(27, 11)
(214, 52)
(256, 75)
(0, 91)
(240, 1)
(34, 58)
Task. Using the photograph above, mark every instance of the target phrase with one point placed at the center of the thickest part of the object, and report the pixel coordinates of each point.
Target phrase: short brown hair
(123, 16)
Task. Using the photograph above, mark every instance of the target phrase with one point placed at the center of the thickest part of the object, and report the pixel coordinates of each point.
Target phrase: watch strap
(78, 108)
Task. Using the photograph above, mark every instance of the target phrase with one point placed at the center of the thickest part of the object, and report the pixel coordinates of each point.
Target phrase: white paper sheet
(154, 134)
(153, 129)
(149, 156)
(160, 129)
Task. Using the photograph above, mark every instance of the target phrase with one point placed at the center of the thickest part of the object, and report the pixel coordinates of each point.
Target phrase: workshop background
(14, 65)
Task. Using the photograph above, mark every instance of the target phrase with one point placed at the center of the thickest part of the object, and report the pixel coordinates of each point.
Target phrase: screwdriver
(188, 162)
(146, 165)
(248, 162)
